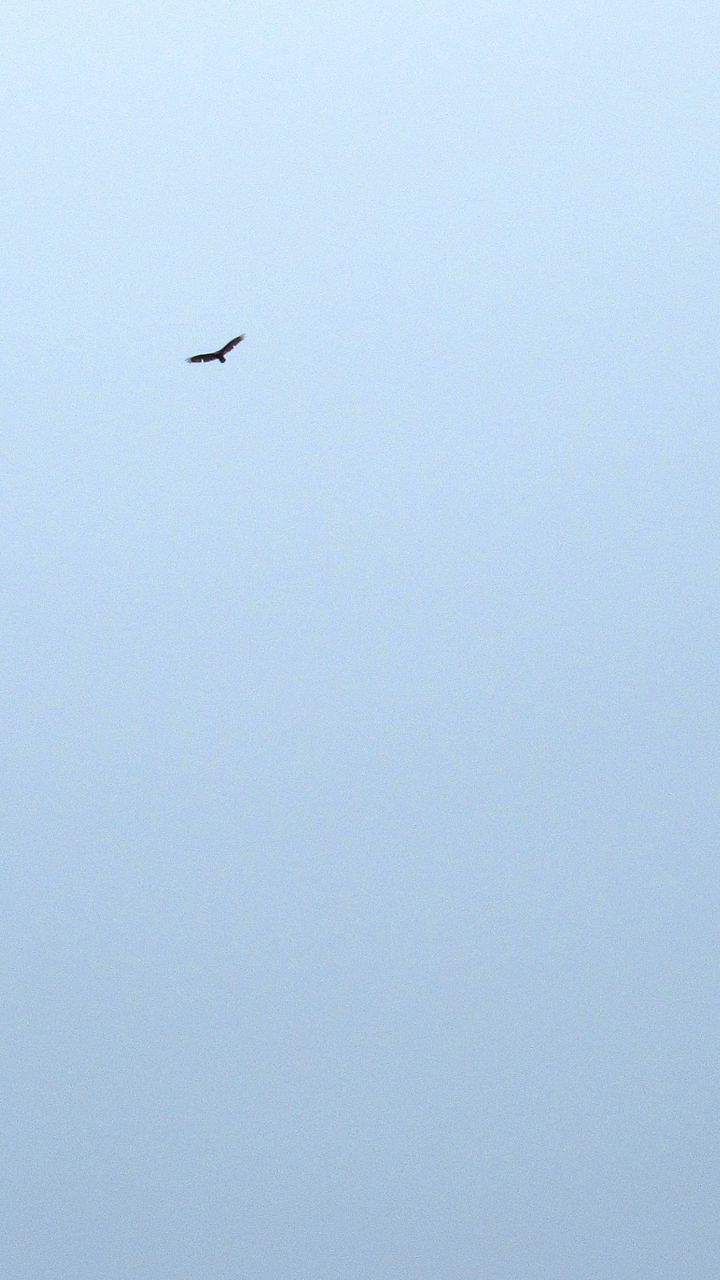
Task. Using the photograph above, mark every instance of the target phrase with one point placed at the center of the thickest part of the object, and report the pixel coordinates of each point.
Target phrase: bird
(215, 355)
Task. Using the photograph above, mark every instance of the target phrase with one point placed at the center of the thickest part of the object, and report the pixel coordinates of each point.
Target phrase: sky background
(360, 696)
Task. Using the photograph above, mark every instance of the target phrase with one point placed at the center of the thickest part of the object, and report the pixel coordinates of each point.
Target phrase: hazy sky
(360, 696)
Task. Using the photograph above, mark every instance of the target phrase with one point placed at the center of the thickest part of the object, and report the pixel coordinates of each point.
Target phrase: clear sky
(360, 696)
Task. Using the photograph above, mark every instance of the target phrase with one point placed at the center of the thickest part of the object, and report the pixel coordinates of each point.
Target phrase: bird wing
(229, 345)
(209, 355)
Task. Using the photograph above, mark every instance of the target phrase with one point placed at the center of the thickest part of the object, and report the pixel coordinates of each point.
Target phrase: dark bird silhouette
(216, 355)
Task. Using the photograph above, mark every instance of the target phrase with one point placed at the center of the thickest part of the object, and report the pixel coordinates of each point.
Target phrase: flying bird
(216, 355)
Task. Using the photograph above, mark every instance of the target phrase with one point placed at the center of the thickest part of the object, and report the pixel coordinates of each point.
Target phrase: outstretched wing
(229, 345)
(210, 355)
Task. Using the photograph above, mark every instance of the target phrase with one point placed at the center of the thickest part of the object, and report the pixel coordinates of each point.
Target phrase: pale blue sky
(360, 696)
